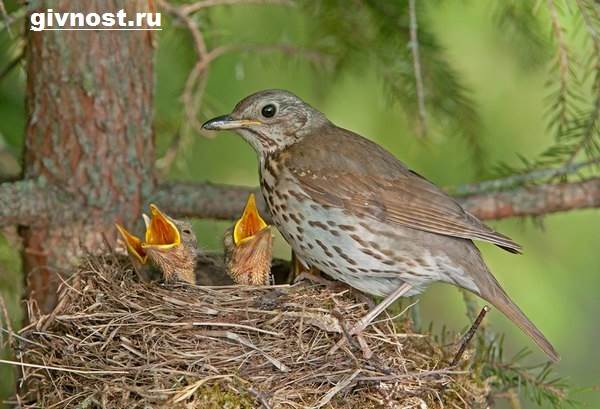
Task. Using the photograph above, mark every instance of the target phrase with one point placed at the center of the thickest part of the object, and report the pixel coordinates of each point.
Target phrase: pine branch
(34, 202)
(206, 200)
(535, 200)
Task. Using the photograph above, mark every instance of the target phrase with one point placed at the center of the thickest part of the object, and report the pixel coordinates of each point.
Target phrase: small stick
(469, 335)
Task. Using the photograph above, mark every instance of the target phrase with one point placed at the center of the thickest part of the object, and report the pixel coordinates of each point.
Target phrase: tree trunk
(89, 131)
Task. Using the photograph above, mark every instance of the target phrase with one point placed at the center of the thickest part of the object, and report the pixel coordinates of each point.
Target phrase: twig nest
(116, 342)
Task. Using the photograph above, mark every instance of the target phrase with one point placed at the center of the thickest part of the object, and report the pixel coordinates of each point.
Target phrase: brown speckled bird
(168, 244)
(351, 209)
(249, 248)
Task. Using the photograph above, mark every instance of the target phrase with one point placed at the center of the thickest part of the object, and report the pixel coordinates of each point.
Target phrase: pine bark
(89, 131)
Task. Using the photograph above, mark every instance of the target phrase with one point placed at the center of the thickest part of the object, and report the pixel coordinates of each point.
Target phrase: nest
(115, 342)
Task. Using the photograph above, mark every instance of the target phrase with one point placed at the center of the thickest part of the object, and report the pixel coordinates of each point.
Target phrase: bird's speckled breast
(339, 244)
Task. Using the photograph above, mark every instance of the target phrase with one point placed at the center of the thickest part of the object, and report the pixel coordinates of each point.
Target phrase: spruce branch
(424, 85)
(538, 383)
(590, 138)
(574, 113)
(523, 178)
(518, 23)
(560, 113)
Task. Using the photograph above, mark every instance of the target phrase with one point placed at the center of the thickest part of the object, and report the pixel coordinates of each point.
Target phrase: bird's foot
(347, 335)
(373, 313)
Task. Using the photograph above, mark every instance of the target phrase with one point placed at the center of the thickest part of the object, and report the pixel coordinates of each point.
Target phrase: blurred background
(505, 73)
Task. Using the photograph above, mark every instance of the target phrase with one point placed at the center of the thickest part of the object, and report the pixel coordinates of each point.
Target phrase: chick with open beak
(249, 248)
(171, 245)
(168, 244)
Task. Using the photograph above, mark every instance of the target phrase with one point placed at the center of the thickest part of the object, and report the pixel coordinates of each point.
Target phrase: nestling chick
(249, 248)
(169, 245)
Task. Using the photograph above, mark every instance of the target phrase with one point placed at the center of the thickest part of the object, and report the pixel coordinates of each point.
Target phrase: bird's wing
(375, 185)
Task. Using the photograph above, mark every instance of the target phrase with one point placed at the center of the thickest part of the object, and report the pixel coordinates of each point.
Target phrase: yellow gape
(249, 224)
(161, 232)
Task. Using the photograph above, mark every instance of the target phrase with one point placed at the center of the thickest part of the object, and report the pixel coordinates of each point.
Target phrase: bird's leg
(299, 271)
(378, 309)
(374, 312)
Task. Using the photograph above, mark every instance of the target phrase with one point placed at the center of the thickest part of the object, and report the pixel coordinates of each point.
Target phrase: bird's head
(270, 120)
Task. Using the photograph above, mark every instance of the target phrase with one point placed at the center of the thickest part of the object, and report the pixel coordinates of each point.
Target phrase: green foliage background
(555, 282)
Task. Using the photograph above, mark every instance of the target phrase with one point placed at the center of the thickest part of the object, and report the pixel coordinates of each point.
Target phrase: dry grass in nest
(114, 342)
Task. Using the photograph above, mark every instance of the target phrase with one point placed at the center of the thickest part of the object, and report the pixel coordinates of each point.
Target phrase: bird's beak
(224, 122)
(161, 232)
(133, 243)
(249, 224)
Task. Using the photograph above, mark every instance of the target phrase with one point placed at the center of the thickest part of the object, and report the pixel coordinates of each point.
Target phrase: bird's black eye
(187, 231)
(269, 110)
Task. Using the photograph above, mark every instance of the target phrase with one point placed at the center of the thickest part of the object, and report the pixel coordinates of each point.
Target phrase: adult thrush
(351, 209)
(249, 248)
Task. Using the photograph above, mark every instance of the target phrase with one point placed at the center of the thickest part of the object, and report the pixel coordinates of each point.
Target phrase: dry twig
(414, 46)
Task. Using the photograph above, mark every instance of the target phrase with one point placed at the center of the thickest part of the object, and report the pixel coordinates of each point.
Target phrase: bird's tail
(499, 299)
